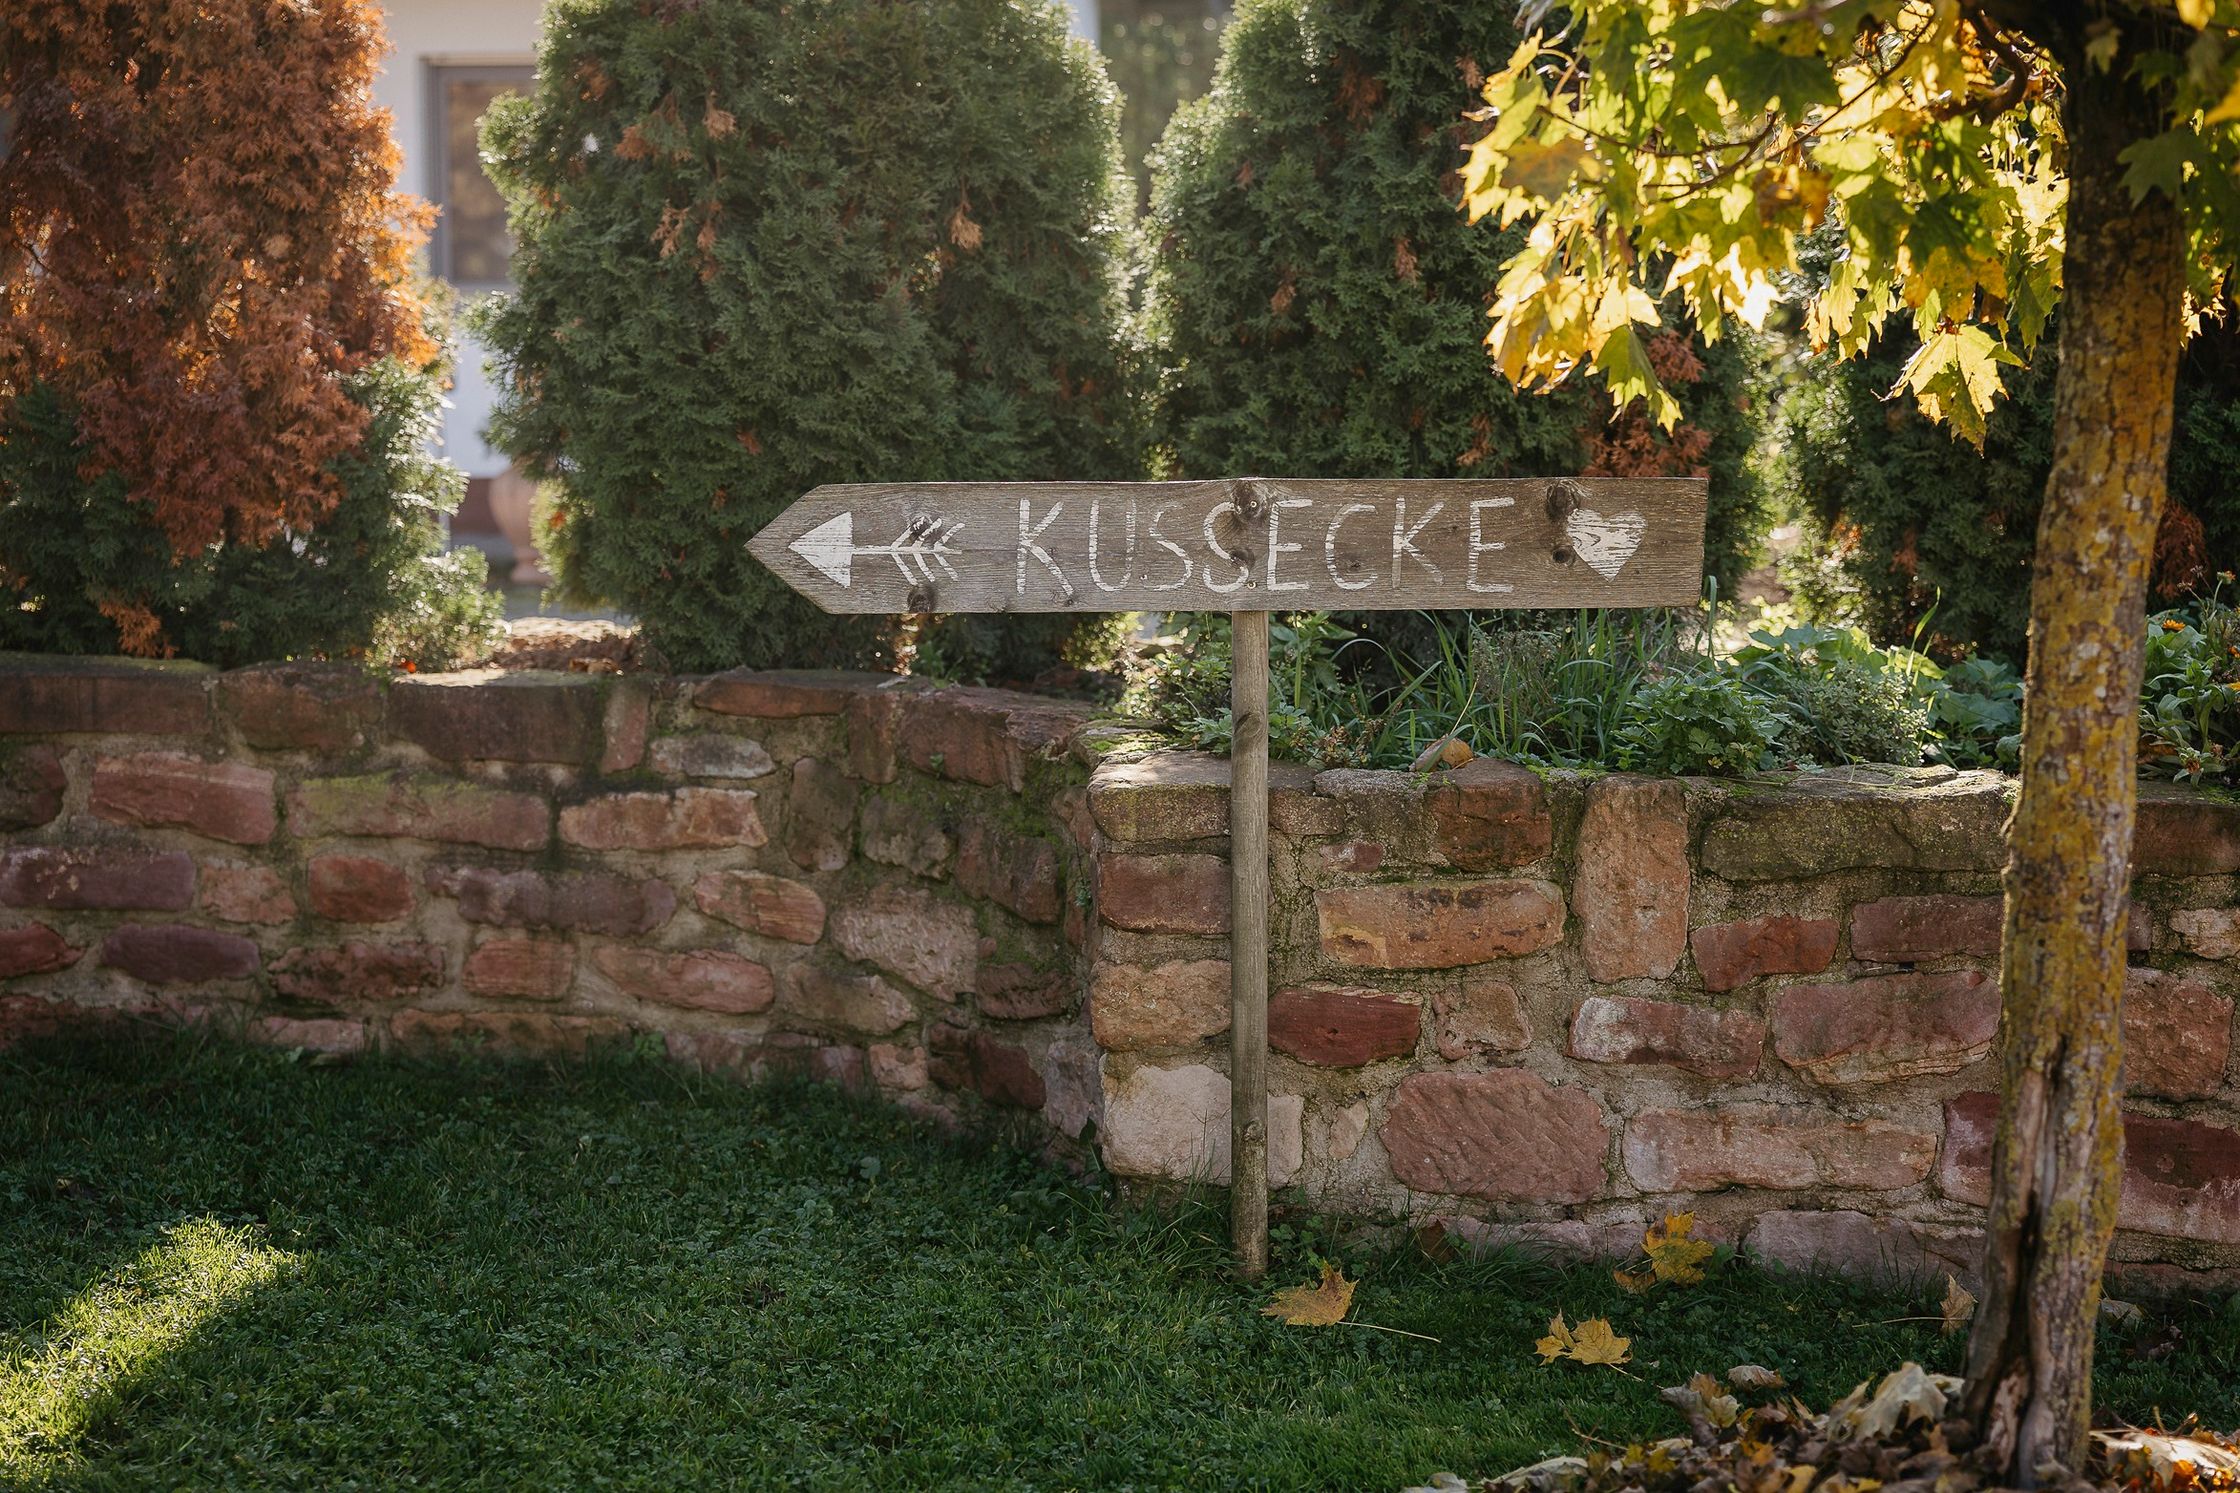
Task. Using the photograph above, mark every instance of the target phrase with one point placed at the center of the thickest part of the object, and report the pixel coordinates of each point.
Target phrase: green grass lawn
(223, 1268)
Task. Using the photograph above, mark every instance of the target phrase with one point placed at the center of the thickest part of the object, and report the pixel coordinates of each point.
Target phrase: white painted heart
(1604, 543)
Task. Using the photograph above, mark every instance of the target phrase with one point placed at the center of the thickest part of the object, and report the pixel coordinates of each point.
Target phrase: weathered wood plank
(1252, 543)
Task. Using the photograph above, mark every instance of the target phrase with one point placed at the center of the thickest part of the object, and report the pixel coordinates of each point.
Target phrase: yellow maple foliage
(1592, 1341)
(1675, 1255)
(1322, 1304)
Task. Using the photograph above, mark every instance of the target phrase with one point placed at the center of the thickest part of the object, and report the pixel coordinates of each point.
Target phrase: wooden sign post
(1246, 546)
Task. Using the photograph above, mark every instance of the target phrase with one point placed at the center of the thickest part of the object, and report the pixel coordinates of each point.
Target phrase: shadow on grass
(621, 1275)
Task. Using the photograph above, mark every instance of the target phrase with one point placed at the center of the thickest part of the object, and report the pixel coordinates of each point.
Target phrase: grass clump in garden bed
(227, 1268)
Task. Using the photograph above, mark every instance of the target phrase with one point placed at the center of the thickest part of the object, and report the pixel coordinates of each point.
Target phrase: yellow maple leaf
(1959, 1305)
(1323, 1304)
(1675, 1254)
(1592, 1341)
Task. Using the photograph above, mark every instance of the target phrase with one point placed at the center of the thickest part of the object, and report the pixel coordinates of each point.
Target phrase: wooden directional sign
(1242, 544)
(1247, 546)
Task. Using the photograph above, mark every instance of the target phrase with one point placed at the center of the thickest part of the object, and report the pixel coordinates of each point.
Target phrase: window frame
(436, 74)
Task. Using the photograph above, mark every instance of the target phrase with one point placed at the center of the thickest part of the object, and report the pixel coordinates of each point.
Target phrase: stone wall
(1543, 1009)
(854, 877)
(1553, 1009)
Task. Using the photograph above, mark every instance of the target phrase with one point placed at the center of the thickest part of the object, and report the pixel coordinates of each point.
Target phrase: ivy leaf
(1323, 1304)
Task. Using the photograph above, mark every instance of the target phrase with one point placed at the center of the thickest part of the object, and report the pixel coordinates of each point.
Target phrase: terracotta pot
(511, 498)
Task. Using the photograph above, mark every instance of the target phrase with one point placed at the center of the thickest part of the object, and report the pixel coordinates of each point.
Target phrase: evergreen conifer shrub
(1316, 299)
(767, 244)
(1913, 526)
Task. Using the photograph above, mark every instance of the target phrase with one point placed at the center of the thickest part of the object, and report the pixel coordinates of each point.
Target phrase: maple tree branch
(2020, 74)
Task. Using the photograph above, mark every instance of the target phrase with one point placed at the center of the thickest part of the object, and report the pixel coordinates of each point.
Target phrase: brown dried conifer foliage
(198, 241)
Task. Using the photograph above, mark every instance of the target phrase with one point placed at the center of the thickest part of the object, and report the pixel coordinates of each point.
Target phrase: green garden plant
(767, 244)
(1905, 521)
(371, 580)
(2189, 710)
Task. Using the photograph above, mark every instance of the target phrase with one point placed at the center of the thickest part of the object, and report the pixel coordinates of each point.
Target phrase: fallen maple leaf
(1675, 1255)
(1959, 1305)
(1673, 1250)
(1323, 1304)
(1592, 1341)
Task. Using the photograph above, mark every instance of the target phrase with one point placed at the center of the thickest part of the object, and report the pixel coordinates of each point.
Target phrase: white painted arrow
(926, 540)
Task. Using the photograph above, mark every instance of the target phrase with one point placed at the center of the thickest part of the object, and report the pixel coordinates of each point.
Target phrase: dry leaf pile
(1899, 1436)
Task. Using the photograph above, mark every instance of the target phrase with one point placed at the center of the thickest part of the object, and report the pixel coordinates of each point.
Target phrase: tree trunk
(2057, 1162)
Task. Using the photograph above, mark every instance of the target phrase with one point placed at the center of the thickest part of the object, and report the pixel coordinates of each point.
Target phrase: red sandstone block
(930, 941)
(359, 889)
(1716, 1044)
(358, 971)
(1489, 814)
(32, 784)
(2177, 1035)
(782, 694)
(419, 806)
(589, 901)
(961, 734)
(2181, 1178)
(874, 726)
(96, 880)
(1887, 1027)
(679, 819)
(628, 721)
(1164, 893)
(997, 1071)
(1016, 871)
(983, 736)
(1732, 954)
(528, 968)
(314, 1034)
(2183, 833)
(1342, 1027)
(696, 980)
(1909, 930)
(246, 894)
(1479, 1014)
(34, 950)
(486, 715)
(769, 905)
(101, 698)
(1350, 858)
(851, 1002)
(897, 1067)
(1436, 924)
(1177, 1004)
(1017, 991)
(223, 800)
(512, 1033)
(175, 954)
(1630, 891)
(303, 706)
(1507, 1136)
(1757, 1145)
(820, 816)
